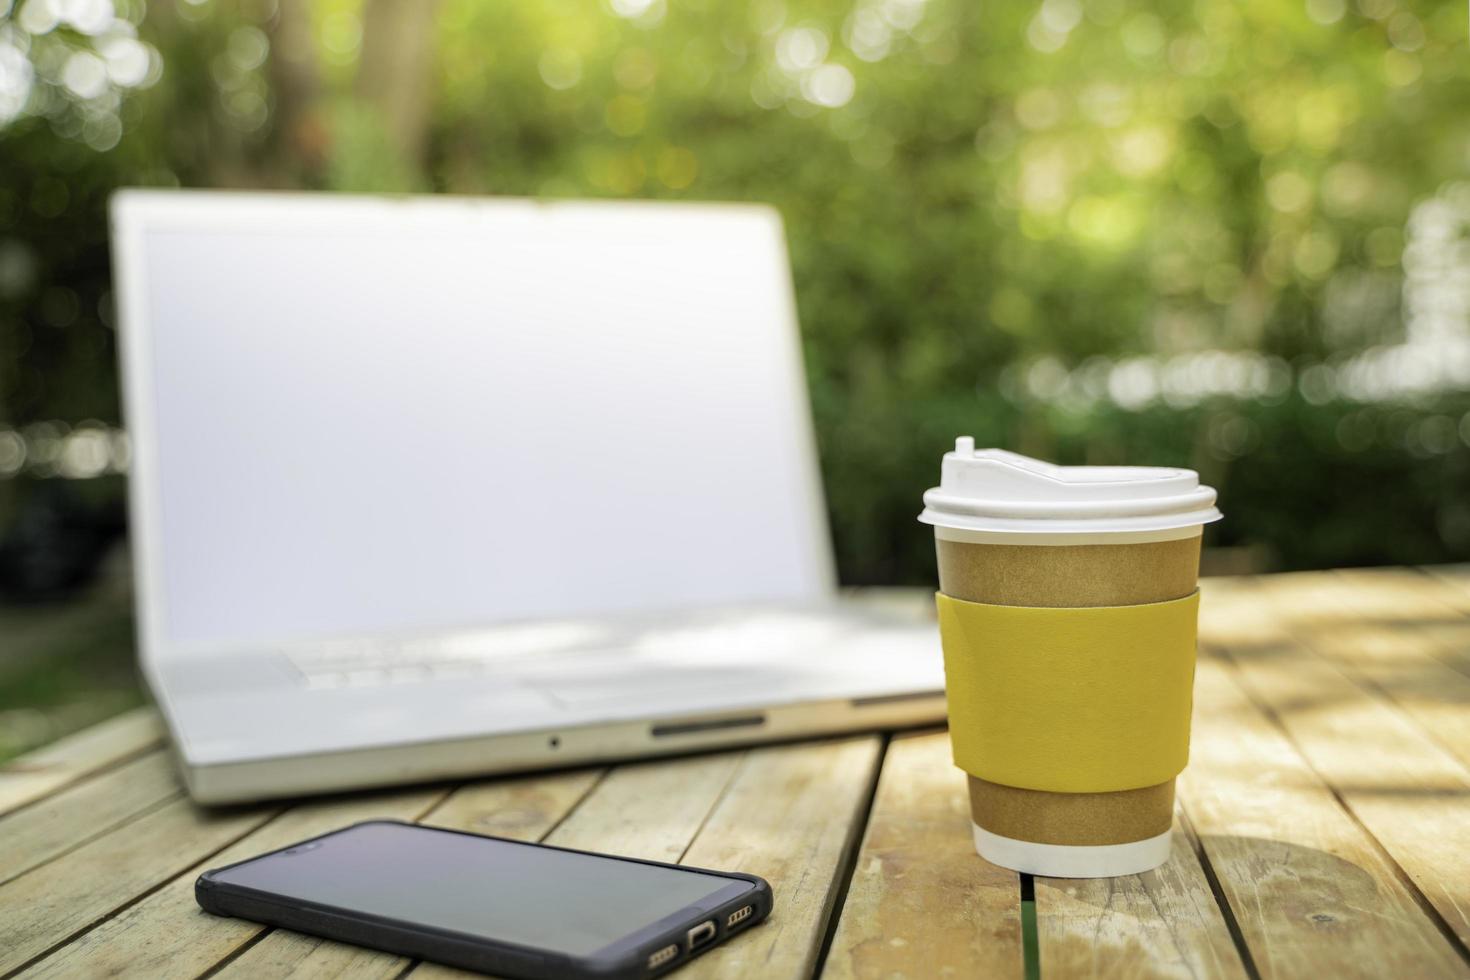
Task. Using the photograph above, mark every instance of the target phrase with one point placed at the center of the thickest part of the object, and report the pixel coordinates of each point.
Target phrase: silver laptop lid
(358, 415)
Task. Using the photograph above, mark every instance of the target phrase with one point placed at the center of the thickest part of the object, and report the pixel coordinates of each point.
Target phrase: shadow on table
(1433, 674)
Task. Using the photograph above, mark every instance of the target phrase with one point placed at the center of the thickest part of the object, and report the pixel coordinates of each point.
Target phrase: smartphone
(489, 904)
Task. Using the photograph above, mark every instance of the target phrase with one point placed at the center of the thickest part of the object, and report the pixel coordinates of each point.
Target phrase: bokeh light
(1236, 238)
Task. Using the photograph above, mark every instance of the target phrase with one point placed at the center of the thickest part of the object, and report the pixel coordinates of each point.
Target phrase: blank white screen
(380, 416)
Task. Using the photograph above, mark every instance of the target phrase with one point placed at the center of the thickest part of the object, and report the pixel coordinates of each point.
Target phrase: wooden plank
(1336, 616)
(784, 815)
(41, 773)
(1408, 791)
(792, 815)
(921, 902)
(1415, 593)
(1456, 577)
(521, 808)
(1218, 593)
(1299, 873)
(1424, 596)
(166, 934)
(291, 954)
(40, 909)
(36, 834)
(649, 810)
(1435, 611)
(1310, 889)
(1164, 923)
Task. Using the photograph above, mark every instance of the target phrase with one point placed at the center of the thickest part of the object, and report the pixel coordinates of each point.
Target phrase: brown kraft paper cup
(1070, 575)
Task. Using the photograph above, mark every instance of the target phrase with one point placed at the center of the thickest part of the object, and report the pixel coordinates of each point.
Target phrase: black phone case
(626, 959)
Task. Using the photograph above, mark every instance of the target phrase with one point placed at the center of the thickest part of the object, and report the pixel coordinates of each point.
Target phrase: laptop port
(663, 956)
(665, 729)
(740, 915)
(701, 934)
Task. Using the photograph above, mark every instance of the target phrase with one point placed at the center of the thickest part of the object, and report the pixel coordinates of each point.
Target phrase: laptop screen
(354, 415)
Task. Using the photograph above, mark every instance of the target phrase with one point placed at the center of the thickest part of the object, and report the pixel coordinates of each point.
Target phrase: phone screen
(493, 889)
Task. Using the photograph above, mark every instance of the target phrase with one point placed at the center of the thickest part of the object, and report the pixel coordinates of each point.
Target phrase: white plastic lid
(994, 490)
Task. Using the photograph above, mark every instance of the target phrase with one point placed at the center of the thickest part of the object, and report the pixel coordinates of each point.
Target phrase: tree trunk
(393, 74)
(302, 141)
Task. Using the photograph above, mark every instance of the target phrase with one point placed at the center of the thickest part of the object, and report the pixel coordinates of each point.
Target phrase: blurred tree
(393, 75)
(1229, 236)
(299, 131)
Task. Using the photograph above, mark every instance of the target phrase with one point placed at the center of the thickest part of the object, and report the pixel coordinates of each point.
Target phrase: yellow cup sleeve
(1089, 700)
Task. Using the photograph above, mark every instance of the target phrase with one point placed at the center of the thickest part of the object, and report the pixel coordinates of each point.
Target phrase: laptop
(440, 487)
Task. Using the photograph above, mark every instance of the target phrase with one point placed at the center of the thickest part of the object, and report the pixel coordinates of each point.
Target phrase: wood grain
(1436, 611)
(1310, 888)
(38, 833)
(647, 810)
(922, 903)
(291, 954)
(1411, 794)
(1164, 923)
(1427, 603)
(167, 935)
(41, 909)
(41, 773)
(651, 810)
(791, 815)
(1399, 655)
(1455, 577)
(520, 808)
(1351, 679)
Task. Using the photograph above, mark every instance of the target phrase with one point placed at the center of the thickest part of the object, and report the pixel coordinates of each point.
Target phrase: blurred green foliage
(983, 202)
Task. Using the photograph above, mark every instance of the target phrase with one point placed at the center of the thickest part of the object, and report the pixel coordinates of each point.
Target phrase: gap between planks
(770, 811)
(1228, 883)
(1311, 888)
(77, 814)
(849, 865)
(1174, 921)
(775, 812)
(782, 812)
(920, 901)
(39, 774)
(1387, 631)
(1408, 789)
(1164, 923)
(167, 935)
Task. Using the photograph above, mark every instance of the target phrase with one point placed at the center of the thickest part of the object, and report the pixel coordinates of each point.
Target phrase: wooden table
(1323, 828)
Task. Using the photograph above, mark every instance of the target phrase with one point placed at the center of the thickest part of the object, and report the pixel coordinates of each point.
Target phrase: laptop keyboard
(380, 667)
(359, 663)
(409, 665)
(535, 652)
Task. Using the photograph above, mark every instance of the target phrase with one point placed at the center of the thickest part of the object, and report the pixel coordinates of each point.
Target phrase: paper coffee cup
(1097, 544)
